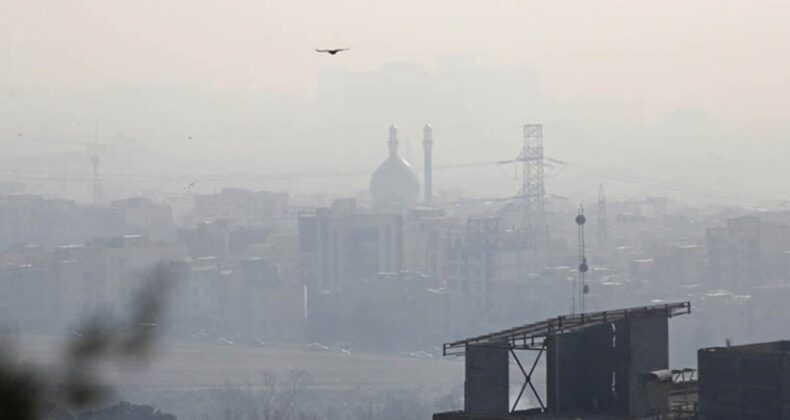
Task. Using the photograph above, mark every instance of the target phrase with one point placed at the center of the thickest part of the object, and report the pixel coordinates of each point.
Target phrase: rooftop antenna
(580, 286)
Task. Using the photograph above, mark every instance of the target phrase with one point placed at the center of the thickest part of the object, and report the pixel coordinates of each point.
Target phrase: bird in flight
(332, 51)
(191, 184)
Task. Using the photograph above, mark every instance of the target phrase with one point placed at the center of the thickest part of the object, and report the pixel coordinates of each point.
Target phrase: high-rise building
(746, 252)
(340, 244)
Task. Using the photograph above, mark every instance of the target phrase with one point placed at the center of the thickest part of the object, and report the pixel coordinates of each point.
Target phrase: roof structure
(394, 181)
(531, 335)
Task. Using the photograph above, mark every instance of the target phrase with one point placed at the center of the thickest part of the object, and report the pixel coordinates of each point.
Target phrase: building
(28, 218)
(107, 273)
(485, 255)
(282, 250)
(209, 238)
(50, 291)
(142, 216)
(240, 298)
(267, 305)
(746, 252)
(684, 265)
(609, 365)
(340, 244)
(423, 245)
(745, 382)
(471, 254)
(243, 207)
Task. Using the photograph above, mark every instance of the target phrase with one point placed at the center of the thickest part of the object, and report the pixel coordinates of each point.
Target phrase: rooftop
(774, 347)
(522, 336)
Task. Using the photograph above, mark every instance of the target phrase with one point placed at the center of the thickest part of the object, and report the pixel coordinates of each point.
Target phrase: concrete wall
(565, 372)
(648, 350)
(602, 369)
(580, 369)
(487, 384)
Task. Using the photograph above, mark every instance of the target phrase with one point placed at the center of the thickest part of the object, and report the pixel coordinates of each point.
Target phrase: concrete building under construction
(615, 365)
(607, 365)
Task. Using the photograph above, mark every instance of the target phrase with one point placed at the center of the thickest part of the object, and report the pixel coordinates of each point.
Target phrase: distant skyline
(688, 92)
(730, 57)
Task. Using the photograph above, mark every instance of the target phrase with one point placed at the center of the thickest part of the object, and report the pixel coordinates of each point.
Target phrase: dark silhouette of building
(611, 364)
(750, 381)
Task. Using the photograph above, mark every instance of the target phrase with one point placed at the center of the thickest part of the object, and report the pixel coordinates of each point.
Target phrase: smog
(394, 210)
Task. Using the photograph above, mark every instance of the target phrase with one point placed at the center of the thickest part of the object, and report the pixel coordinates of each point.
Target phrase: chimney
(427, 145)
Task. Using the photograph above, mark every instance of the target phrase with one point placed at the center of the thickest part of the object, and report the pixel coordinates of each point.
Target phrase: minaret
(427, 145)
(393, 141)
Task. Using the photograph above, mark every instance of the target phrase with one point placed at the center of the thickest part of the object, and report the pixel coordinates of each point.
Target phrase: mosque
(395, 183)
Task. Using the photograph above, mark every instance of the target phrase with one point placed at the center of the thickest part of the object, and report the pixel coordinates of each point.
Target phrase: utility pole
(580, 287)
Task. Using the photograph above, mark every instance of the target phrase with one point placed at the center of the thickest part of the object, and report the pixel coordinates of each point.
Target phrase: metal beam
(528, 378)
(564, 324)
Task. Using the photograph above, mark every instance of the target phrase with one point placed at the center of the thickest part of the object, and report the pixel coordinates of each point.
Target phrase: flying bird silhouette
(188, 189)
(332, 51)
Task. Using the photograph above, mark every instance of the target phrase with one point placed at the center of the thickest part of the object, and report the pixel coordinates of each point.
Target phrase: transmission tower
(602, 230)
(531, 158)
(532, 188)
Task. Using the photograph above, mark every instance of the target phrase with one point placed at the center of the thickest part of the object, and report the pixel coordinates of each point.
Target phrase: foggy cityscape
(401, 210)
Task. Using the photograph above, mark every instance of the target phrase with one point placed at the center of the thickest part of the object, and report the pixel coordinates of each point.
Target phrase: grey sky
(616, 78)
(666, 54)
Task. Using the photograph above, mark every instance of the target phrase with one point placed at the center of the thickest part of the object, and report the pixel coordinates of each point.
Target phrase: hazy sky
(642, 64)
(733, 57)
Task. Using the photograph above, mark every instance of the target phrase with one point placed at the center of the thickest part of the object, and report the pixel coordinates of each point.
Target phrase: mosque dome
(394, 182)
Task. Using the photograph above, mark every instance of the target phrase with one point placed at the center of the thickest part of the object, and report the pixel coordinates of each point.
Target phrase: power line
(662, 184)
(621, 177)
